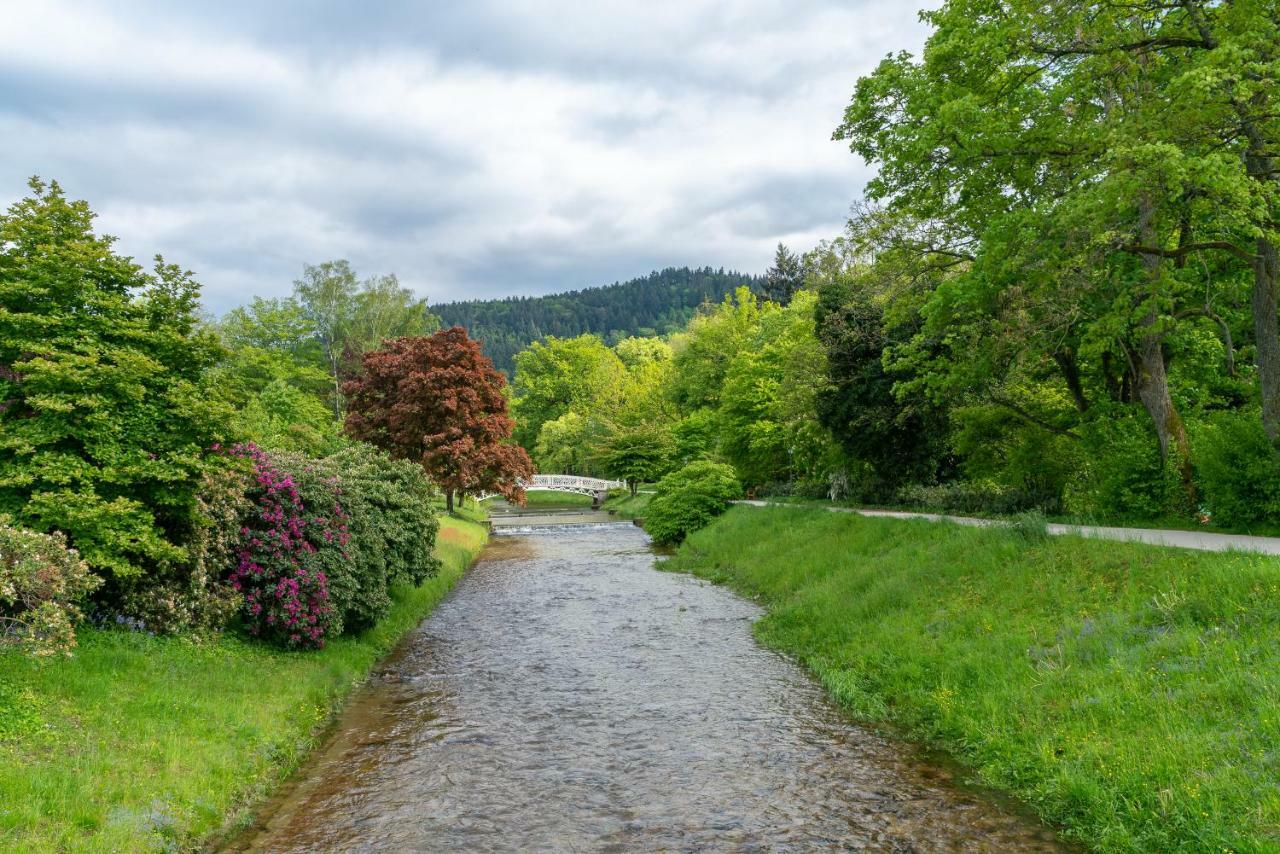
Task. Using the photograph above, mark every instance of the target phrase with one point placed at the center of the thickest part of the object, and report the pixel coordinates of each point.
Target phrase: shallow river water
(568, 696)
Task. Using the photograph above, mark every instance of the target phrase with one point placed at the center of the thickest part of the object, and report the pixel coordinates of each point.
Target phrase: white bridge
(592, 486)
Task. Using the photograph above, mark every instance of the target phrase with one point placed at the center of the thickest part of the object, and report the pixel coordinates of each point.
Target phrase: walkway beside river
(1199, 540)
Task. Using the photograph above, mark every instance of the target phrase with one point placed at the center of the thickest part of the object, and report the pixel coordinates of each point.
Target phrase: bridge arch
(594, 487)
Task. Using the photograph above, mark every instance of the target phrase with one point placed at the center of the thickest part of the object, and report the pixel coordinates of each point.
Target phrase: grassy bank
(1129, 693)
(628, 506)
(140, 743)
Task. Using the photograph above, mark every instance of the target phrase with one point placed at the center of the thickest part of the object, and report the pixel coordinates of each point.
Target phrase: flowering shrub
(41, 582)
(280, 563)
(193, 595)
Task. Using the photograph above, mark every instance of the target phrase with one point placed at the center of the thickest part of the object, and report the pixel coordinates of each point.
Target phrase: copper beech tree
(438, 401)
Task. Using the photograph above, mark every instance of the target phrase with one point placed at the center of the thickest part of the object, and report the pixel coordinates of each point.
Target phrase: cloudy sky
(476, 149)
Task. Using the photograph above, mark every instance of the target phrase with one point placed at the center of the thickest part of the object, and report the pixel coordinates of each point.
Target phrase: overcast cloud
(475, 149)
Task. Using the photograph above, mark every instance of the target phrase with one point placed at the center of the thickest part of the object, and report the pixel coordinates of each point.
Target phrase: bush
(328, 538)
(1239, 470)
(688, 499)
(193, 595)
(1121, 476)
(392, 521)
(41, 583)
(105, 376)
(284, 551)
(983, 497)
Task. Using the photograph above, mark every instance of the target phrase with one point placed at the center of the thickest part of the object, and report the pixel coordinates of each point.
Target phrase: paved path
(1201, 540)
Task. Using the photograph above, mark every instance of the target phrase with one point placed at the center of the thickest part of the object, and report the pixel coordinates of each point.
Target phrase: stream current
(569, 696)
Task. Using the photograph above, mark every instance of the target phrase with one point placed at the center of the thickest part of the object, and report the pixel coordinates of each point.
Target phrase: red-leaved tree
(438, 401)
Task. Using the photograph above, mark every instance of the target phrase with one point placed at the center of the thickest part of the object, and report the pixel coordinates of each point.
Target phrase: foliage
(392, 520)
(106, 411)
(283, 417)
(657, 304)
(285, 549)
(1240, 471)
(564, 375)
(1125, 692)
(637, 455)
(438, 402)
(569, 444)
(42, 583)
(193, 595)
(784, 278)
(689, 498)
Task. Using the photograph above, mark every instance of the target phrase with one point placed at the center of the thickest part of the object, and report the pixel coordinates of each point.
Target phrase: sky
(475, 149)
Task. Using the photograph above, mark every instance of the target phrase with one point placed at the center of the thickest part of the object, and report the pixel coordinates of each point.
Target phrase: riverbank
(145, 743)
(1127, 692)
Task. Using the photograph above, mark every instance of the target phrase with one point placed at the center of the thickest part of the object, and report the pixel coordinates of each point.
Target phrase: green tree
(784, 278)
(637, 455)
(327, 293)
(106, 413)
(562, 375)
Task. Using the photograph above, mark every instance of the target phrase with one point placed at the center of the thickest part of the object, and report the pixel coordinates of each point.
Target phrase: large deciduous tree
(439, 402)
(106, 413)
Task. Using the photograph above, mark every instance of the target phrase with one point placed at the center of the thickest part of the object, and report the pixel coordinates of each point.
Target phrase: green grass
(1130, 694)
(546, 498)
(140, 743)
(628, 507)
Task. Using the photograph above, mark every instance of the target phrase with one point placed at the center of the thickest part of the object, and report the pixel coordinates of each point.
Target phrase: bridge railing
(592, 486)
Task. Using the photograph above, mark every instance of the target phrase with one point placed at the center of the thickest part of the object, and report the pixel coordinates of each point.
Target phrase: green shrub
(1121, 475)
(41, 583)
(689, 498)
(984, 496)
(1239, 470)
(193, 594)
(391, 517)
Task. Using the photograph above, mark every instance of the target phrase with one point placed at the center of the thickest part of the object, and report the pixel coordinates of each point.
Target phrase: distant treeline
(656, 304)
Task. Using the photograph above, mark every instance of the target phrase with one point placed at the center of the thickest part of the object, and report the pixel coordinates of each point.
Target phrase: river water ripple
(569, 697)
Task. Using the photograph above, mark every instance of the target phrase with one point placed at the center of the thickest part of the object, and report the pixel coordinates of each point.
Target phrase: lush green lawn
(141, 743)
(1130, 693)
(628, 507)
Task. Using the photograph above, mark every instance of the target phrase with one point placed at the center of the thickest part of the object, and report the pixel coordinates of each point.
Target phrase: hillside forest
(655, 305)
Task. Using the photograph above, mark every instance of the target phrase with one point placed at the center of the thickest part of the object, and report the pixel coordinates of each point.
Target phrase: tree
(637, 455)
(785, 277)
(327, 294)
(561, 375)
(383, 309)
(106, 414)
(438, 401)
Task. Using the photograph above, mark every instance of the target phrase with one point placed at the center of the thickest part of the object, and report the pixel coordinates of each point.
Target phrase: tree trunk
(1266, 332)
(1153, 379)
(1066, 361)
(448, 500)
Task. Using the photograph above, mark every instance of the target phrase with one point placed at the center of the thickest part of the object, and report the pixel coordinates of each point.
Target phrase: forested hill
(656, 304)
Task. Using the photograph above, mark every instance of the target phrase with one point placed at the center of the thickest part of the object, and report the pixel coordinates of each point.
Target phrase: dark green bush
(689, 498)
(1239, 470)
(392, 520)
(983, 497)
(1121, 475)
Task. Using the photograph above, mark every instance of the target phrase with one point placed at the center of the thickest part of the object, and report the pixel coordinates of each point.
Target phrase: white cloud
(515, 147)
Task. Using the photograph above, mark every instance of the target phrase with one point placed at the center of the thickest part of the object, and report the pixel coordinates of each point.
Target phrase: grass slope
(144, 743)
(627, 506)
(1130, 693)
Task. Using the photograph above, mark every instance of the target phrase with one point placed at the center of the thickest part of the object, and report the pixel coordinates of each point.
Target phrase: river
(568, 696)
